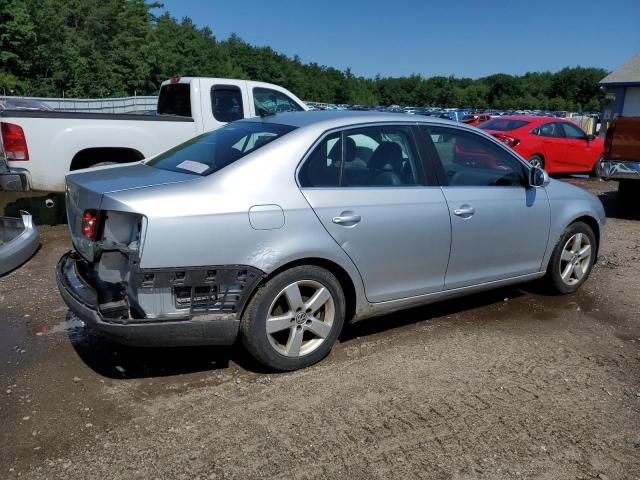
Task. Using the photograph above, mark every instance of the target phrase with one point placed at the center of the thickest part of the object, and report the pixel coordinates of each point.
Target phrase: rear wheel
(536, 161)
(294, 320)
(572, 258)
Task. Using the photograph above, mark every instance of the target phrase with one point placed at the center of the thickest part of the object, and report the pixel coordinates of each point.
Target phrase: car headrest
(387, 155)
(350, 151)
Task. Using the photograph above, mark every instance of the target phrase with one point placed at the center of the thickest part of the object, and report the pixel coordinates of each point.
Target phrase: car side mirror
(538, 177)
(591, 137)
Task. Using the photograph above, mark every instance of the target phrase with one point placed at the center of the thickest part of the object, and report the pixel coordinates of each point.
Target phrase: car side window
(226, 103)
(382, 156)
(271, 101)
(551, 129)
(469, 160)
(573, 132)
(322, 167)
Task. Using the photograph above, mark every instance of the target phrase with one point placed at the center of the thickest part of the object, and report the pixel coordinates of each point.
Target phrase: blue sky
(464, 38)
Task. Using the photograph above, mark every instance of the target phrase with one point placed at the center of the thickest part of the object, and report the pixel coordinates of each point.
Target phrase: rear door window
(175, 99)
(267, 100)
(470, 160)
(226, 103)
(551, 129)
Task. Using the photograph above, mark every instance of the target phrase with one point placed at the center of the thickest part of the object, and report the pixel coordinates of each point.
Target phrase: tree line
(102, 48)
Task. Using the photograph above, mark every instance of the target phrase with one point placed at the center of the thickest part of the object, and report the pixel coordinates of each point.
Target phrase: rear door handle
(464, 211)
(345, 219)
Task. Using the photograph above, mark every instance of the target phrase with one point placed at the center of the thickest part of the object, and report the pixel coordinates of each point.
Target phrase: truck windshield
(175, 99)
(212, 151)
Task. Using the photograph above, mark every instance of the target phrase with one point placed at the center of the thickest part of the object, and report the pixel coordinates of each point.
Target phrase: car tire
(571, 262)
(536, 161)
(596, 171)
(284, 329)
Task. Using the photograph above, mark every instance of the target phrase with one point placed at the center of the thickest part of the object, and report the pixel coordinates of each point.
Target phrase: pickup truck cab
(622, 155)
(38, 148)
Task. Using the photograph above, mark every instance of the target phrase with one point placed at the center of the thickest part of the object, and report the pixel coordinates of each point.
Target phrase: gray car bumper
(616, 170)
(82, 299)
(19, 240)
(11, 180)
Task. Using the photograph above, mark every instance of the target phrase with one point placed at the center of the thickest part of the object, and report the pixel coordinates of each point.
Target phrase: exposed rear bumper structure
(620, 170)
(19, 240)
(208, 328)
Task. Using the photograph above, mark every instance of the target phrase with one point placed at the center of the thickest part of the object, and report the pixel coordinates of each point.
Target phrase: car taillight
(90, 224)
(507, 140)
(14, 141)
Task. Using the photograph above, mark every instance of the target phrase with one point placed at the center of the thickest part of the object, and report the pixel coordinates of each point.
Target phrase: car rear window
(175, 99)
(212, 151)
(502, 124)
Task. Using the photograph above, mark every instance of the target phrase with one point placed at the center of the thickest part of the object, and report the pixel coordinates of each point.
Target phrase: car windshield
(212, 151)
(502, 124)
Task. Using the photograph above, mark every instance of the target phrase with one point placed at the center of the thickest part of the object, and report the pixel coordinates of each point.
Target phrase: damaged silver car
(278, 230)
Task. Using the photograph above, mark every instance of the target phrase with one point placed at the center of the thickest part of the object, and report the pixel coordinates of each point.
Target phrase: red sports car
(557, 145)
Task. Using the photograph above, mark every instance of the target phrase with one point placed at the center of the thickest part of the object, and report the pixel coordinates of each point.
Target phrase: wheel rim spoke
(568, 270)
(318, 300)
(319, 328)
(577, 242)
(295, 342)
(294, 299)
(278, 324)
(585, 252)
(566, 256)
(578, 270)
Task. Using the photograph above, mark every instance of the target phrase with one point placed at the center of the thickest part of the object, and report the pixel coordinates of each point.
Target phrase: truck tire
(294, 319)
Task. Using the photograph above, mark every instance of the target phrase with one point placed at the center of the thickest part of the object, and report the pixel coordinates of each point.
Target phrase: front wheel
(572, 258)
(294, 320)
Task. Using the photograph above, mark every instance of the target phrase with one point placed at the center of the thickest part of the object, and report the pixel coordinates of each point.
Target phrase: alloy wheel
(300, 318)
(575, 259)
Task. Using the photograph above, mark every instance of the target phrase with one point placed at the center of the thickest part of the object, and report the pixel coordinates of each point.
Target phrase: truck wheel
(536, 161)
(572, 258)
(294, 320)
(596, 171)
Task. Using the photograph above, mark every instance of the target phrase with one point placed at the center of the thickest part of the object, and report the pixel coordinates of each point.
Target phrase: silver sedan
(278, 230)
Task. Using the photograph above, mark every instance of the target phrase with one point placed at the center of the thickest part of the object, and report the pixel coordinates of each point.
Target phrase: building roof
(627, 74)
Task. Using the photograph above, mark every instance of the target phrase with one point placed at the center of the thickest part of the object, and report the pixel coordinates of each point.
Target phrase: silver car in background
(278, 230)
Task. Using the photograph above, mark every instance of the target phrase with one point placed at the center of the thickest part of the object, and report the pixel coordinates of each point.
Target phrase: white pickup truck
(38, 148)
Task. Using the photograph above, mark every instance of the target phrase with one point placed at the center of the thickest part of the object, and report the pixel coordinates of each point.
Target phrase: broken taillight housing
(90, 224)
(507, 140)
(14, 142)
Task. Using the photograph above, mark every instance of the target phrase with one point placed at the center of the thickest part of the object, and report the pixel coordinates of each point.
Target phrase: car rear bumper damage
(211, 312)
(620, 170)
(19, 240)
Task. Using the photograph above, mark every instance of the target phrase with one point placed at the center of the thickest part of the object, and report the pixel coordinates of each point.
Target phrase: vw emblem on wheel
(301, 317)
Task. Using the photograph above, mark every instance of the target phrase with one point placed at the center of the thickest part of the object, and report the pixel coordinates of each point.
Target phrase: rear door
(554, 146)
(368, 189)
(499, 225)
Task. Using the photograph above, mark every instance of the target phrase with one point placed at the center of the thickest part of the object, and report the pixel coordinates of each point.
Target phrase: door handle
(464, 211)
(343, 219)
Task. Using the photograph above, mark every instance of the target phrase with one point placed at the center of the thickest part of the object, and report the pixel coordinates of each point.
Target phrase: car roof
(343, 118)
(531, 119)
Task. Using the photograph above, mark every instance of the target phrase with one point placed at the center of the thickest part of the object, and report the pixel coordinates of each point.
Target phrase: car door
(367, 187)
(554, 146)
(580, 155)
(499, 225)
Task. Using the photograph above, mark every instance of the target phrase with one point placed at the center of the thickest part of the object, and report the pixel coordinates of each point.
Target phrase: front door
(367, 187)
(499, 225)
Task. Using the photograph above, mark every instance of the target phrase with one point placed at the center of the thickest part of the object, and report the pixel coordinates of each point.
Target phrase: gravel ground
(513, 383)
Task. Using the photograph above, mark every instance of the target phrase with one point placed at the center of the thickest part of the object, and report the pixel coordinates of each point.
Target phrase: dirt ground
(509, 384)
